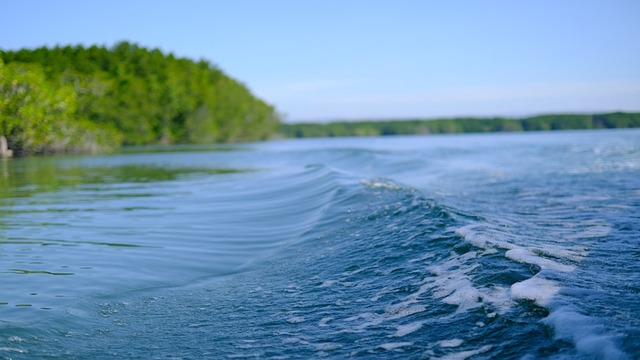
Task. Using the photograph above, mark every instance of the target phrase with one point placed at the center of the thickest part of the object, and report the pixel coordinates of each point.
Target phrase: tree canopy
(78, 99)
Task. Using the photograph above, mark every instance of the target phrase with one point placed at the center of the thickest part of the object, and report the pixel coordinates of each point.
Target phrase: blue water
(519, 246)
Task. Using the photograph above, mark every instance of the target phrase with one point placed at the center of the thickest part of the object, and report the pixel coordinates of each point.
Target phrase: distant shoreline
(548, 122)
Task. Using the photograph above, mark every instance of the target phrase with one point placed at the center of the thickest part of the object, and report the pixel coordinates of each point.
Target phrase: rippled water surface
(485, 246)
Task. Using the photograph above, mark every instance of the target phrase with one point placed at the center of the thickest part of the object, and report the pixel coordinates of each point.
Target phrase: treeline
(460, 125)
(87, 99)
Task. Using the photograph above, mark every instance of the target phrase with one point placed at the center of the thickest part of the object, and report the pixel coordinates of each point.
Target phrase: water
(443, 247)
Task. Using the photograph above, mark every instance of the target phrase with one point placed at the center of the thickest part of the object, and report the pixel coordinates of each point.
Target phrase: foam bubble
(395, 345)
(14, 350)
(480, 239)
(452, 284)
(526, 256)
(450, 343)
(403, 330)
(295, 340)
(327, 283)
(393, 312)
(464, 295)
(327, 346)
(585, 332)
(15, 338)
(323, 322)
(539, 290)
(466, 354)
(295, 320)
(575, 253)
(403, 309)
(470, 236)
(381, 183)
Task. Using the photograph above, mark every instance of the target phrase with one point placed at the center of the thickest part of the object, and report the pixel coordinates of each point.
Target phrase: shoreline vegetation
(75, 99)
(461, 125)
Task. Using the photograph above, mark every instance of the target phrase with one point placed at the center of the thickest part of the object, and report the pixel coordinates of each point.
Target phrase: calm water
(517, 246)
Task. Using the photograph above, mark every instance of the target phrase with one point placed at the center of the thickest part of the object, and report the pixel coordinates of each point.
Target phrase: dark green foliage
(616, 120)
(460, 125)
(132, 94)
(40, 116)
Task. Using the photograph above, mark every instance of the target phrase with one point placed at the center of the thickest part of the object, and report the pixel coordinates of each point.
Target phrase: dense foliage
(460, 125)
(78, 99)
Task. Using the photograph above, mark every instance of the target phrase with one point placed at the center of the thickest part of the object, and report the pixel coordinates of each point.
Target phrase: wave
(380, 265)
(108, 239)
(361, 255)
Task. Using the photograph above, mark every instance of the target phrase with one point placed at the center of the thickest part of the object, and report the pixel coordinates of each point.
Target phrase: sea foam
(585, 332)
(539, 290)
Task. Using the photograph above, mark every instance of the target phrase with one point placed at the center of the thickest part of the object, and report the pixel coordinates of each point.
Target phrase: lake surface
(487, 246)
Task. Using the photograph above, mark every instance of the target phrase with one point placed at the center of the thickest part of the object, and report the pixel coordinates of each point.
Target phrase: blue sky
(354, 59)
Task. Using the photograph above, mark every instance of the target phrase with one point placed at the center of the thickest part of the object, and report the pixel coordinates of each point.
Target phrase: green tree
(143, 96)
(38, 116)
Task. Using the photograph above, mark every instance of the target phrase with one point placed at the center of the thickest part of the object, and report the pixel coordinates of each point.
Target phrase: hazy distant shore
(461, 125)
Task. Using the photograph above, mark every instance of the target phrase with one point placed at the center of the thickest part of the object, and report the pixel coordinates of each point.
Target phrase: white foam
(327, 346)
(395, 345)
(594, 231)
(380, 294)
(454, 263)
(403, 330)
(370, 319)
(453, 286)
(323, 322)
(473, 238)
(472, 235)
(485, 237)
(575, 253)
(295, 340)
(488, 251)
(403, 309)
(295, 320)
(450, 343)
(15, 338)
(464, 295)
(466, 354)
(456, 289)
(15, 350)
(328, 283)
(526, 256)
(379, 183)
(392, 312)
(541, 291)
(585, 332)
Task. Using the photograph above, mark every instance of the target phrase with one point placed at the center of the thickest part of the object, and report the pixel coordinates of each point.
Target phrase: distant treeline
(85, 99)
(460, 125)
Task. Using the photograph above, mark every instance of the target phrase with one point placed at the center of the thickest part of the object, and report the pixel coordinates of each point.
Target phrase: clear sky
(353, 59)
